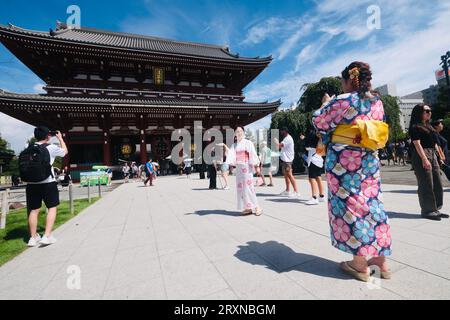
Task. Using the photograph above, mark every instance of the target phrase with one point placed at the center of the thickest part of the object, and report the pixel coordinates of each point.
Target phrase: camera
(53, 133)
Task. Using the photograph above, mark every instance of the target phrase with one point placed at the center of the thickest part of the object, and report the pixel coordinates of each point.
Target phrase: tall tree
(311, 98)
(392, 111)
(6, 155)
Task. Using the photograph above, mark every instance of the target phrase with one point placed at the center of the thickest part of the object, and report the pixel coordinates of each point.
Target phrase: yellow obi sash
(370, 134)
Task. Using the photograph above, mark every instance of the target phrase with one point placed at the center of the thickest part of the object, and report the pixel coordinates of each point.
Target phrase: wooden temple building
(119, 96)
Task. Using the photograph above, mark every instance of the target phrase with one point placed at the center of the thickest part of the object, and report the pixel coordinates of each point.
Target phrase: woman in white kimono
(242, 155)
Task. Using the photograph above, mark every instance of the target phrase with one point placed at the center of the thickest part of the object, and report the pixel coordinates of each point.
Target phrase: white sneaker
(226, 188)
(285, 193)
(46, 241)
(312, 202)
(33, 242)
(294, 195)
(321, 199)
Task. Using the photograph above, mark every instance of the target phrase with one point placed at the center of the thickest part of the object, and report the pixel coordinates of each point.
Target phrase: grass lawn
(13, 239)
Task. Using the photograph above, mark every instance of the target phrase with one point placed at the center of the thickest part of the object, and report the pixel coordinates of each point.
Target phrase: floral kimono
(243, 155)
(358, 221)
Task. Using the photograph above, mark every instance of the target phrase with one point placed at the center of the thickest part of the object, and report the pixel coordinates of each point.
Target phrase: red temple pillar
(106, 149)
(66, 159)
(143, 147)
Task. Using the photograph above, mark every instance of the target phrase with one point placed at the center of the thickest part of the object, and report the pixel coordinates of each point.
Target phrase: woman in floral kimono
(242, 155)
(353, 126)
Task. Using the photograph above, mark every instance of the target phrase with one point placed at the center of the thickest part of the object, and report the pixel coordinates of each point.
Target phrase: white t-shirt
(287, 151)
(55, 151)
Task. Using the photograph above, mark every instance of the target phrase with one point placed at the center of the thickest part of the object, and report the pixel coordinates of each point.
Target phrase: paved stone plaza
(178, 240)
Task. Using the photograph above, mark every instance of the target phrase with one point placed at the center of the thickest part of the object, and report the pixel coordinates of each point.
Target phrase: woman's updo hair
(360, 75)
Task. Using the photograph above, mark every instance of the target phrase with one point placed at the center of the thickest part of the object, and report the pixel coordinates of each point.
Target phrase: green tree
(6, 155)
(441, 109)
(311, 99)
(392, 112)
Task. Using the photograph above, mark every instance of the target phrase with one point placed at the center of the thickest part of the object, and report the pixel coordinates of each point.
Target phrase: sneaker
(226, 188)
(312, 202)
(285, 193)
(294, 195)
(270, 185)
(46, 241)
(321, 199)
(444, 216)
(33, 242)
(436, 216)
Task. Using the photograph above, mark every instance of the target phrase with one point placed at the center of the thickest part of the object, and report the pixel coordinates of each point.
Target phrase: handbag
(446, 169)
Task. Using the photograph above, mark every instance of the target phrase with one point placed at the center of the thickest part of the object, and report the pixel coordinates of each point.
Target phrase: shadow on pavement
(221, 212)
(401, 215)
(402, 191)
(280, 258)
(267, 195)
(18, 233)
(286, 200)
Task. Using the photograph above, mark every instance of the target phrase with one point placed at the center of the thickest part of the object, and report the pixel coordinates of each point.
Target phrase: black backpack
(34, 163)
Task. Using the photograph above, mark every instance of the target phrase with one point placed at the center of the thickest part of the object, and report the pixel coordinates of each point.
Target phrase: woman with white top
(242, 155)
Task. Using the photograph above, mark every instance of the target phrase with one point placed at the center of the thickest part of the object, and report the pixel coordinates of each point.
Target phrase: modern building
(406, 103)
(388, 89)
(119, 96)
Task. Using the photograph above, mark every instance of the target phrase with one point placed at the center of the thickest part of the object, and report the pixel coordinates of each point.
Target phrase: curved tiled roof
(18, 97)
(133, 41)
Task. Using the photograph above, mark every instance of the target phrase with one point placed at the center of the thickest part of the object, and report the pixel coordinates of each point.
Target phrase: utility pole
(445, 62)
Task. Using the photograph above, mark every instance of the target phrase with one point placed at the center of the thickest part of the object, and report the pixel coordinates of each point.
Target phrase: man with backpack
(35, 165)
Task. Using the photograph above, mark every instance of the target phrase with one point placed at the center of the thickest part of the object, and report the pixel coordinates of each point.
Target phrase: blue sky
(308, 39)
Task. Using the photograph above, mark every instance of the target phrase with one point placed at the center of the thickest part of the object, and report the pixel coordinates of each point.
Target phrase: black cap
(41, 133)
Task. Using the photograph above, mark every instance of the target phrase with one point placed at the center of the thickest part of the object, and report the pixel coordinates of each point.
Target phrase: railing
(5, 199)
(4, 208)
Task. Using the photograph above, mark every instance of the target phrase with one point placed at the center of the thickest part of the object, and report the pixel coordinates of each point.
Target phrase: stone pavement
(178, 240)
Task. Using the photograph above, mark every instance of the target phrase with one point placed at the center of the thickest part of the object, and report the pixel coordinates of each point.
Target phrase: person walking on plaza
(401, 153)
(287, 158)
(315, 163)
(425, 163)
(266, 164)
(359, 223)
(134, 170)
(438, 126)
(187, 167)
(41, 183)
(242, 155)
(126, 171)
(212, 171)
(225, 171)
(149, 172)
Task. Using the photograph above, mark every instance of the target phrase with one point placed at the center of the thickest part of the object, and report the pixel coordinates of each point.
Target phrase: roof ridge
(4, 93)
(63, 29)
(141, 36)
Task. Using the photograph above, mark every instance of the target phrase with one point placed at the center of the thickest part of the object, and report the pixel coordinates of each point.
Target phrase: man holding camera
(36, 163)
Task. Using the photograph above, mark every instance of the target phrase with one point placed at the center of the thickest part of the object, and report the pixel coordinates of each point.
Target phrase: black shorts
(47, 192)
(314, 171)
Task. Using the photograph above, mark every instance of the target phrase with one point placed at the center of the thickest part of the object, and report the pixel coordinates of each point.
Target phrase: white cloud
(38, 88)
(261, 31)
(288, 45)
(312, 51)
(407, 58)
(15, 132)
